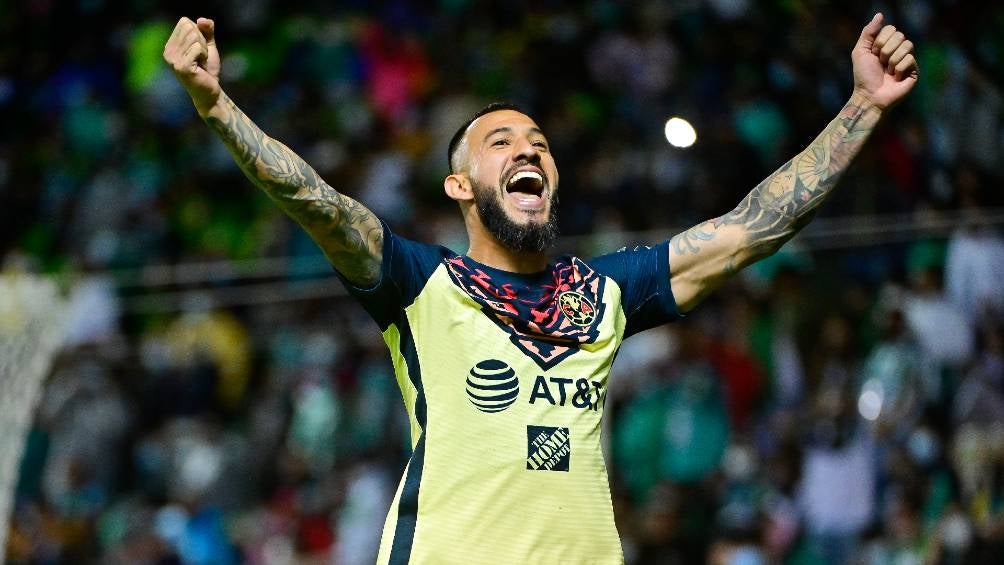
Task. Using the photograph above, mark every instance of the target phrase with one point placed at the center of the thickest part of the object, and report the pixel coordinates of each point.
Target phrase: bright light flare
(870, 405)
(679, 132)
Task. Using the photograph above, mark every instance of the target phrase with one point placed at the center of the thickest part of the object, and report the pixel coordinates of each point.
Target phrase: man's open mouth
(526, 186)
(528, 182)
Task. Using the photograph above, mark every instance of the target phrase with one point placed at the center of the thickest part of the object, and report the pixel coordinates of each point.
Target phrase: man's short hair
(459, 135)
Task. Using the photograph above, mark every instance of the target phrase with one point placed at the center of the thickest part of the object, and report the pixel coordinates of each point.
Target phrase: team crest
(550, 328)
(577, 308)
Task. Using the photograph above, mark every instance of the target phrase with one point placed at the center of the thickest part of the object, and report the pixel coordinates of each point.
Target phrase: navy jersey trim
(410, 353)
(662, 301)
(407, 508)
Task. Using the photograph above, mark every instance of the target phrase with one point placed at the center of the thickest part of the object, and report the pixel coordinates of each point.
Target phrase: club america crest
(577, 308)
(548, 330)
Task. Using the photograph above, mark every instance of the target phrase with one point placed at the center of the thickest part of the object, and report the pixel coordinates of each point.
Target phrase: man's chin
(526, 217)
(526, 220)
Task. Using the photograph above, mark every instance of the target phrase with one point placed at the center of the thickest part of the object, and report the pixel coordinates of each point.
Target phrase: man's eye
(501, 142)
(541, 145)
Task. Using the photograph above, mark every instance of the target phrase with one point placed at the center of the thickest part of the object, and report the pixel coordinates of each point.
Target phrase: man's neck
(489, 251)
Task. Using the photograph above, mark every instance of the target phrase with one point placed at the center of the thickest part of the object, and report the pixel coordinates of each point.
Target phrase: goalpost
(30, 332)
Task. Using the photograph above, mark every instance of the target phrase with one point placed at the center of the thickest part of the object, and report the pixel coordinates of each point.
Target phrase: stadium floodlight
(679, 132)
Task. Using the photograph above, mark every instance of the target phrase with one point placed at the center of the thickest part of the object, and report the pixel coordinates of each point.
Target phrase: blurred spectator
(837, 492)
(974, 267)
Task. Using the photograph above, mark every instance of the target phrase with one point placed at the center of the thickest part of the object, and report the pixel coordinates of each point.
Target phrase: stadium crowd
(841, 402)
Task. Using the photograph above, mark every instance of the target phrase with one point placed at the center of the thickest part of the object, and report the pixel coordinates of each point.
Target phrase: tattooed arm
(705, 255)
(349, 234)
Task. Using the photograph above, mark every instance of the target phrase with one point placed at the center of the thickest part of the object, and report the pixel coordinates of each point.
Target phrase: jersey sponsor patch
(545, 330)
(547, 448)
(574, 392)
(492, 386)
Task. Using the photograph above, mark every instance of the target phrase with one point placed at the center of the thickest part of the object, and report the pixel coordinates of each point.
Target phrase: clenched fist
(191, 52)
(884, 66)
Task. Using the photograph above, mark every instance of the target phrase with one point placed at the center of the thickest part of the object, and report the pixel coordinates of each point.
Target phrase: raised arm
(705, 255)
(350, 235)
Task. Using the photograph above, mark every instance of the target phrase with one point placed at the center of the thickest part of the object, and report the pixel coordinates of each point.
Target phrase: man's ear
(458, 187)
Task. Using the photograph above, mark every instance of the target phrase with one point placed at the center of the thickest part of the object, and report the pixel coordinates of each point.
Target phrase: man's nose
(525, 151)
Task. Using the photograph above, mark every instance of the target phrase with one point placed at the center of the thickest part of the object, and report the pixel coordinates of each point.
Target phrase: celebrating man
(503, 353)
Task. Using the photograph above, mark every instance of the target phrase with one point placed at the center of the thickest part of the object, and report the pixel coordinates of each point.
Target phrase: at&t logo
(492, 386)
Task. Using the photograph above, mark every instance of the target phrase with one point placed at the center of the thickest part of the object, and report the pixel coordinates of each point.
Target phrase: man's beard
(532, 236)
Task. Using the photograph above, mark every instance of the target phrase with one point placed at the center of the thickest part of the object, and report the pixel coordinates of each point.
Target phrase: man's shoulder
(403, 247)
(624, 261)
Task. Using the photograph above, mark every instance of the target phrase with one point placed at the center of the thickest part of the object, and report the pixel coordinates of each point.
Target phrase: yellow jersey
(504, 377)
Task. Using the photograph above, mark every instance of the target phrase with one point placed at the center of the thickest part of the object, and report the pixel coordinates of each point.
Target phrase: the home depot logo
(547, 449)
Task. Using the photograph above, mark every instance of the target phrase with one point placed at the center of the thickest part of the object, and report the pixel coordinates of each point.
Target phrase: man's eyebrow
(503, 129)
(507, 129)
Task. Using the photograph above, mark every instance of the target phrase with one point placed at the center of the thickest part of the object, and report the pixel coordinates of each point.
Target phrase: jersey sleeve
(642, 273)
(404, 269)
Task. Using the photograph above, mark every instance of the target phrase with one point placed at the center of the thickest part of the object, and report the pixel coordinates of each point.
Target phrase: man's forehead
(493, 121)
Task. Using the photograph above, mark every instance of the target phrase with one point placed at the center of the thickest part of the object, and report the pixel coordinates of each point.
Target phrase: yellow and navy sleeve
(405, 268)
(642, 273)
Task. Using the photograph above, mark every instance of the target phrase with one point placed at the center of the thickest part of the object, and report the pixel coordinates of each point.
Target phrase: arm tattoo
(349, 234)
(782, 204)
(785, 201)
(689, 241)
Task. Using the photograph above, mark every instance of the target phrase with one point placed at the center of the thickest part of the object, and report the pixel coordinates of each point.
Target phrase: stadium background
(220, 399)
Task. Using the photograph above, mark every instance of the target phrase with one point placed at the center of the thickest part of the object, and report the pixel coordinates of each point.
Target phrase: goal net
(30, 331)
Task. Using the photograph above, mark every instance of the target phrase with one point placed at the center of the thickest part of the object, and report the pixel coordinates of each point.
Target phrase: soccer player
(502, 353)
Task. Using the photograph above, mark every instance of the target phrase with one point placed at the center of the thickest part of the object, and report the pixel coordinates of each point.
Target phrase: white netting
(30, 330)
